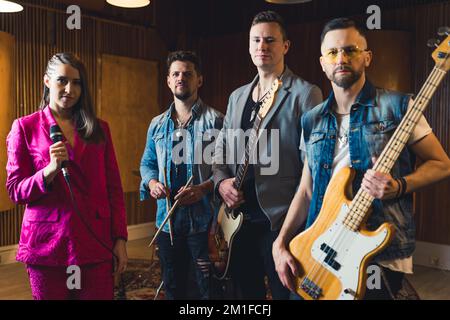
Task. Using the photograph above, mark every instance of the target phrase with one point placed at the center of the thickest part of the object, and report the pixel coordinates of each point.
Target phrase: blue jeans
(175, 261)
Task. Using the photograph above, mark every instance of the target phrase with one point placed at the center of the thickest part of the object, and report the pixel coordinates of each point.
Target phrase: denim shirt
(198, 139)
(373, 119)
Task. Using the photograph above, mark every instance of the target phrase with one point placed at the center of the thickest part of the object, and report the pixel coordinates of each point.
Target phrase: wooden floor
(429, 283)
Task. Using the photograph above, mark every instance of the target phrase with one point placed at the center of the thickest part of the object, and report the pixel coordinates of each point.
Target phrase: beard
(184, 95)
(347, 80)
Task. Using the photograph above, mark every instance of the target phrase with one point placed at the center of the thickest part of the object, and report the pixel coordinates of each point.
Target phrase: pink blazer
(52, 233)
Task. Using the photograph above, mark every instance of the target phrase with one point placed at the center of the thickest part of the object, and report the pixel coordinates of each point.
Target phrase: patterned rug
(142, 279)
(407, 292)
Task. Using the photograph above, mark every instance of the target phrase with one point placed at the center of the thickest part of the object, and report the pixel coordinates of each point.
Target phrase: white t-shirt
(342, 159)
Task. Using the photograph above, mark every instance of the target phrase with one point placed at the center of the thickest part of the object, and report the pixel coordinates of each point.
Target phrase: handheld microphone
(56, 136)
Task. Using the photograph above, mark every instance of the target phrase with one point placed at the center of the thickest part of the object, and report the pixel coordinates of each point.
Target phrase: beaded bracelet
(402, 187)
(399, 190)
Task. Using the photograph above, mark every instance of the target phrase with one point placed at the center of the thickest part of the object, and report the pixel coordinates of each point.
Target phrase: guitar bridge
(312, 289)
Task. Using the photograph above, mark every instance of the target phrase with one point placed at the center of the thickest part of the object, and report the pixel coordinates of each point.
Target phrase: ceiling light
(129, 3)
(9, 6)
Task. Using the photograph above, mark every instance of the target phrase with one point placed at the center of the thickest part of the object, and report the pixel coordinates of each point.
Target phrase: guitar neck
(362, 201)
(249, 150)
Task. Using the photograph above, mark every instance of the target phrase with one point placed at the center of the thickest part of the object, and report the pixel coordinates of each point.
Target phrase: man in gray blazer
(270, 183)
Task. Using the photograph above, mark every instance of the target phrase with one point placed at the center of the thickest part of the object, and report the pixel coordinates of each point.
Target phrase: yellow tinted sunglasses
(350, 52)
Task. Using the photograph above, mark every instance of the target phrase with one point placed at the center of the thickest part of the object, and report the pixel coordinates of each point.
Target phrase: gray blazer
(275, 190)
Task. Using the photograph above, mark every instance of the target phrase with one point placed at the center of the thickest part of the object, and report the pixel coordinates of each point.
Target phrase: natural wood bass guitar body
(334, 267)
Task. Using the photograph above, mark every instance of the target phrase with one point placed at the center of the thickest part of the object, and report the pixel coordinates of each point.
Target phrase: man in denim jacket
(351, 128)
(180, 144)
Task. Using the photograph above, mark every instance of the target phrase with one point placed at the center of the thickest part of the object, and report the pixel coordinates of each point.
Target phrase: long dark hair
(86, 122)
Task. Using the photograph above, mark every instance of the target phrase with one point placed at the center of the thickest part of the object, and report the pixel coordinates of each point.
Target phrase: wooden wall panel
(143, 211)
(388, 49)
(225, 70)
(129, 101)
(40, 31)
(433, 203)
(7, 107)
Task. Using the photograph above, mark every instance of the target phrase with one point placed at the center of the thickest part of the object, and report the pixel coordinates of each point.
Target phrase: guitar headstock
(441, 55)
(267, 102)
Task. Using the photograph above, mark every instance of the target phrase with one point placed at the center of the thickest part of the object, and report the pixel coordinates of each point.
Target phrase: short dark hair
(189, 56)
(341, 23)
(271, 16)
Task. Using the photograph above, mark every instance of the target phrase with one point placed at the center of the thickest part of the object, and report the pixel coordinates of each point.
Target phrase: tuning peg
(444, 31)
(433, 43)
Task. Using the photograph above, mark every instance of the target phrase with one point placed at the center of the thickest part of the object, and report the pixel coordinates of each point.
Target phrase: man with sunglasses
(350, 129)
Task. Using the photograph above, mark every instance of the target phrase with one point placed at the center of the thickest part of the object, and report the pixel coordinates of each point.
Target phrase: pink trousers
(54, 283)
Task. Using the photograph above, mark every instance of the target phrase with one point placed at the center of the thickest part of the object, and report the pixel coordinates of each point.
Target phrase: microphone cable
(75, 207)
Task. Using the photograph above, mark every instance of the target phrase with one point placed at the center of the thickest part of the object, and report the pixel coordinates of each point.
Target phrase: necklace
(181, 125)
(344, 125)
(343, 139)
(261, 98)
(255, 106)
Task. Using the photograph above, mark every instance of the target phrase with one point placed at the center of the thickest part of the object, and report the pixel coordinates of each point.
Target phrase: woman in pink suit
(54, 236)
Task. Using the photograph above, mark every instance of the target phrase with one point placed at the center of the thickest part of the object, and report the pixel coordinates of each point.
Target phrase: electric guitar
(335, 251)
(225, 227)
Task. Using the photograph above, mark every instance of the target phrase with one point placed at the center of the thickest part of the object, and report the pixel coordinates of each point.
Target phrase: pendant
(343, 140)
(178, 133)
(252, 116)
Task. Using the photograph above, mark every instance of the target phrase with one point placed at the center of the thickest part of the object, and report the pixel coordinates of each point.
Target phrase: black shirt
(250, 208)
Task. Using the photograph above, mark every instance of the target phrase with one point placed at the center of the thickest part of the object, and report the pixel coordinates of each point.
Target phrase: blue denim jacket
(204, 127)
(373, 119)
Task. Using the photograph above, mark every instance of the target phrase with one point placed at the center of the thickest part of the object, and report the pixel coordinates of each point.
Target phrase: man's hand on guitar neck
(230, 195)
(380, 185)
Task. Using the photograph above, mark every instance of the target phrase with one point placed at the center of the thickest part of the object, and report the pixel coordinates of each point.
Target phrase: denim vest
(373, 119)
(204, 127)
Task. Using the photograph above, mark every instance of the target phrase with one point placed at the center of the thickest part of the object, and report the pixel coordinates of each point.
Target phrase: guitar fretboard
(360, 205)
(249, 150)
